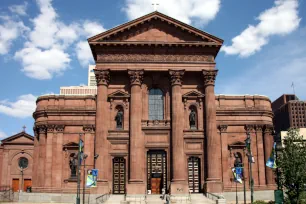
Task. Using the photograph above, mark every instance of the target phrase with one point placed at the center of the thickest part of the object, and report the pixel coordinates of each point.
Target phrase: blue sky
(43, 46)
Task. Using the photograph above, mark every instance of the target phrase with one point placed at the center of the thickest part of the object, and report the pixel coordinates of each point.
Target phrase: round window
(23, 162)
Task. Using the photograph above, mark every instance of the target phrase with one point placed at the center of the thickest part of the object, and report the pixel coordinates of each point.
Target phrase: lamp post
(249, 154)
(21, 178)
(84, 177)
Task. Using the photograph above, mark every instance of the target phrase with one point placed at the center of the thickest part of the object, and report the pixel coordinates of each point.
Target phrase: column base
(179, 187)
(136, 187)
(213, 186)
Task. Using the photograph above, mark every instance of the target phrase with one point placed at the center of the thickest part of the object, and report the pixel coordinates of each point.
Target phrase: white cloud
(281, 19)
(22, 108)
(10, 30)
(48, 49)
(19, 9)
(273, 72)
(3, 135)
(198, 12)
(84, 53)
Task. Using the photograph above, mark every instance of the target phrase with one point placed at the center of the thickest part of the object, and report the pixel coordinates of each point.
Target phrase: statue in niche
(73, 163)
(119, 119)
(192, 119)
(237, 162)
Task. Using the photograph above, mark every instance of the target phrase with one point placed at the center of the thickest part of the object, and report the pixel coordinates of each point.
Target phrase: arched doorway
(194, 174)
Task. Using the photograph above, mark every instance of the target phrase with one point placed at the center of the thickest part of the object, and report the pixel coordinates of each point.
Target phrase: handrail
(208, 194)
(6, 193)
(103, 198)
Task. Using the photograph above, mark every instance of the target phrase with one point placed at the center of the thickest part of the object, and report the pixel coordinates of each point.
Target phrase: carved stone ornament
(249, 128)
(50, 128)
(59, 128)
(210, 77)
(268, 129)
(102, 77)
(88, 128)
(153, 58)
(258, 128)
(176, 77)
(222, 128)
(136, 77)
(41, 129)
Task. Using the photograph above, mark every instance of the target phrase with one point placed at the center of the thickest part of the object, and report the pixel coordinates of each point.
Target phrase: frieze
(153, 58)
(136, 77)
(176, 77)
(210, 77)
(102, 77)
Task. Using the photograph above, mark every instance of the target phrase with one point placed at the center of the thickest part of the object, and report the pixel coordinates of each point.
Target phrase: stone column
(225, 155)
(35, 159)
(137, 157)
(213, 144)
(57, 164)
(268, 144)
(42, 155)
(260, 156)
(102, 126)
(179, 183)
(48, 162)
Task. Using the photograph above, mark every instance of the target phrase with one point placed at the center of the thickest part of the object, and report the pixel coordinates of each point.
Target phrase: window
(23, 162)
(156, 104)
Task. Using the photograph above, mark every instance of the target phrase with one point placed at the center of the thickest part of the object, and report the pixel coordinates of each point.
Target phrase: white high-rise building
(91, 76)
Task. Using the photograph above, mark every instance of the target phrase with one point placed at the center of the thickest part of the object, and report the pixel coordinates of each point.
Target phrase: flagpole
(78, 171)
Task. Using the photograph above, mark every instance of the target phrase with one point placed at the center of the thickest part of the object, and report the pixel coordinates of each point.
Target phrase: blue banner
(271, 163)
(237, 172)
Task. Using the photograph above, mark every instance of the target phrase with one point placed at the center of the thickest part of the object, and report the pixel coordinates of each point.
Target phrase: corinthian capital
(102, 77)
(209, 77)
(176, 77)
(136, 76)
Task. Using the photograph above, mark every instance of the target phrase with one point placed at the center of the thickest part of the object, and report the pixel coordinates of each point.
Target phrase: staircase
(198, 198)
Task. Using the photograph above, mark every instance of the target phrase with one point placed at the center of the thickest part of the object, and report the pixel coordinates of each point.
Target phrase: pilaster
(35, 158)
(225, 155)
(89, 131)
(48, 161)
(57, 176)
(260, 156)
(42, 131)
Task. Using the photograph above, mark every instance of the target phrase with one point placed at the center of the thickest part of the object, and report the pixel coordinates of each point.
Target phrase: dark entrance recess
(194, 174)
(119, 175)
(157, 171)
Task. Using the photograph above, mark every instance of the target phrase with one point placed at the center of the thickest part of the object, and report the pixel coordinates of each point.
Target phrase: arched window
(156, 104)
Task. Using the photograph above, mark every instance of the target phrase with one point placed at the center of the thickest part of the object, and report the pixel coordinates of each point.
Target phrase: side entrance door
(15, 185)
(119, 175)
(27, 183)
(194, 174)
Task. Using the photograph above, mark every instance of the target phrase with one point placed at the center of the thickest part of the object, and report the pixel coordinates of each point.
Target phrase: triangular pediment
(119, 94)
(20, 138)
(155, 27)
(193, 94)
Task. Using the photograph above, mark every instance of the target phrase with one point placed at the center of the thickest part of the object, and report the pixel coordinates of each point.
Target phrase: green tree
(292, 166)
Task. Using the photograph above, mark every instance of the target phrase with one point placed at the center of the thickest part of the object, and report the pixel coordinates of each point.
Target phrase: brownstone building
(16, 161)
(155, 121)
(289, 112)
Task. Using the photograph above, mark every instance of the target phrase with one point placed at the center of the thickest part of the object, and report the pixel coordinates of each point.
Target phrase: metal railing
(103, 198)
(213, 196)
(6, 193)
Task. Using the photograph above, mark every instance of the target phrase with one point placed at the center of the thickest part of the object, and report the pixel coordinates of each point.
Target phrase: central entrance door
(118, 175)
(157, 171)
(194, 174)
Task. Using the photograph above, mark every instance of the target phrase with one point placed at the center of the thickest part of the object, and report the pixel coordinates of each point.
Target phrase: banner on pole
(271, 163)
(237, 172)
(92, 178)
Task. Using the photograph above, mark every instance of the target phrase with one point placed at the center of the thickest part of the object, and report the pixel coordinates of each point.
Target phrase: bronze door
(118, 175)
(194, 174)
(156, 171)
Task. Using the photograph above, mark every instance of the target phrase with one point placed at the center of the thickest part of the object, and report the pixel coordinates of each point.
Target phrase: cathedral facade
(155, 122)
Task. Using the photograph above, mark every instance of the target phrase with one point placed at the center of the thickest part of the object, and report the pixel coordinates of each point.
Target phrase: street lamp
(21, 178)
(84, 176)
(250, 160)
